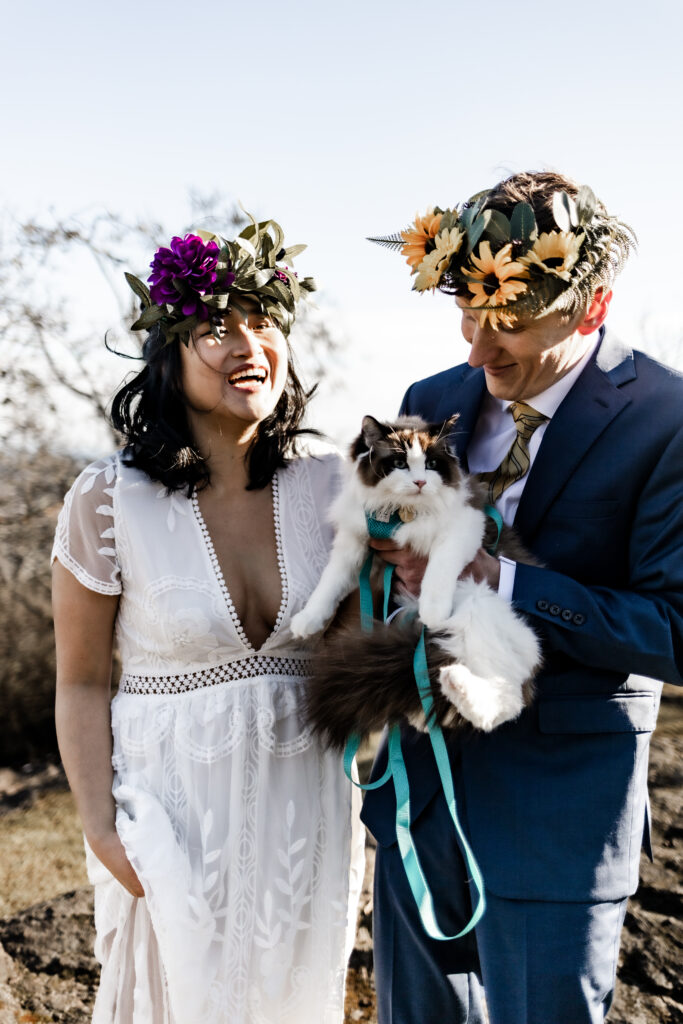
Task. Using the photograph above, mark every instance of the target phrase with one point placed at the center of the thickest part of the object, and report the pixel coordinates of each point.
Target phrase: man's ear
(596, 313)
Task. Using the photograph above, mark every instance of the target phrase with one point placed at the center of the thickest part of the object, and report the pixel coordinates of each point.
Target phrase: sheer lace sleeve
(85, 541)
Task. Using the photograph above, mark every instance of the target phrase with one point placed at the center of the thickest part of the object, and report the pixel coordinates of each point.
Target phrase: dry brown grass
(41, 852)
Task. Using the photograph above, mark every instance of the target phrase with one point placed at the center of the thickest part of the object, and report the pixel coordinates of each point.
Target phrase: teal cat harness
(396, 769)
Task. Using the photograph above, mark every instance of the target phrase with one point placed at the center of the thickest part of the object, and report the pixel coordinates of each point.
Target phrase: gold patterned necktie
(516, 462)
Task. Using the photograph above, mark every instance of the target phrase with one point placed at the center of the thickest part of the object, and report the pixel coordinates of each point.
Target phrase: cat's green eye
(431, 464)
(400, 463)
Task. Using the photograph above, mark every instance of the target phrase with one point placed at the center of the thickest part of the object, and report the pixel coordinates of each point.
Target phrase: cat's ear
(447, 425)
(439, 430)
(373, 431)
(369, 435)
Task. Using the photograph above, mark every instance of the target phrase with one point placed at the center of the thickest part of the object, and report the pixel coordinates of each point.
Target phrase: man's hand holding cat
(483, 568)
(410, 568)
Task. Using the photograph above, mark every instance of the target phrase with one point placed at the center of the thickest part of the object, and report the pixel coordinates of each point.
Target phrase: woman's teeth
(245, 376)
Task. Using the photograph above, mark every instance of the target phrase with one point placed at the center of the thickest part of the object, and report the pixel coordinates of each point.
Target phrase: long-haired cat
(481, 655)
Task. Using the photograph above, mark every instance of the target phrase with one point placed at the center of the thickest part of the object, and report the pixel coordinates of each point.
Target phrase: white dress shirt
(494, 434)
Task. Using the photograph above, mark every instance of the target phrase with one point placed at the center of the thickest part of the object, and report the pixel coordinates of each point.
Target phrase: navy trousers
(538, 962)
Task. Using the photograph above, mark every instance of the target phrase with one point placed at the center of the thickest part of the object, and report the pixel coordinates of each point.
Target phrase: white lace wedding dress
(239, 827)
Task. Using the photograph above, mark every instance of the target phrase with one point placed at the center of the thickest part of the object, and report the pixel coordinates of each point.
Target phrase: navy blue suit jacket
(556, 802)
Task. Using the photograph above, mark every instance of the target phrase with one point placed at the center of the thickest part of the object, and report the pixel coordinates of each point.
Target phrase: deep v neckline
(220, 578)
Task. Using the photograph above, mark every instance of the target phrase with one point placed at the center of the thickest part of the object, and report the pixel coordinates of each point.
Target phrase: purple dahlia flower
(190, 261)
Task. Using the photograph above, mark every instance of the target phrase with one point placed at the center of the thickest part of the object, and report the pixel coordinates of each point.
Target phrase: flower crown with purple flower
(197, 277)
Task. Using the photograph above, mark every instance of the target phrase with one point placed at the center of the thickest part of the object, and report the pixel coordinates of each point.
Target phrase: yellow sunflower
(417, 236)
(493, 280)
(432, 267)
(555, 252)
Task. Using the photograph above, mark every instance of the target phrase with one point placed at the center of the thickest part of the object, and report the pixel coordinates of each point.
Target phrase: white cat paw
(486, 703)
(434, 611)
(305, 624)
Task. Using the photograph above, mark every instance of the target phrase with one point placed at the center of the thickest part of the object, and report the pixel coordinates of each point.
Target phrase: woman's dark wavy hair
(150, 411)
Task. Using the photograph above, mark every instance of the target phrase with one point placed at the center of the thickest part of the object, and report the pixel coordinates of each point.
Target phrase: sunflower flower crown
(200, 275)
(504, 266)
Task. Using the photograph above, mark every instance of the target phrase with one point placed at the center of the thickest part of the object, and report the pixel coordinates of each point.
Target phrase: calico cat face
(406, 462)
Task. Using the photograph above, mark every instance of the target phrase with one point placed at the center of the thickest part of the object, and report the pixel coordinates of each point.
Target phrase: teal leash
(396, 768)
(492, 512)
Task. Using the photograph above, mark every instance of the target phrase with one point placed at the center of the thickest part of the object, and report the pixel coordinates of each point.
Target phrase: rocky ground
(48, 972)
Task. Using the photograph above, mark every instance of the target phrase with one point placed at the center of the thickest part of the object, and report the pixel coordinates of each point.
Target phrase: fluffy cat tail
(362, 681)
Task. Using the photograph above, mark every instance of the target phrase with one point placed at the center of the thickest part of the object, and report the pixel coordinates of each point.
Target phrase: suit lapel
(585, 413)
(466, 401)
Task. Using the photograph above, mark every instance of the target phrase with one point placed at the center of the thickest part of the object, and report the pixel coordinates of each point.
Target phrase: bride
(218, 835)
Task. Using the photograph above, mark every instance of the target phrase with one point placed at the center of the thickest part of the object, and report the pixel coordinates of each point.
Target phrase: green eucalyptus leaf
(293, 284)
(247, 247)
(268, 251)
(261, 277)
(207, 236)
(476, 230)
(477, 198)
(183, 326)
(277, 237)
(449, 220)
(234, 253)
(586, 204)
(466, 217)
(149, 316)
(497, 226)
(564, 211)
(281, 291)
(140, 289)
(252, 228)
(523, 223)
(219, 301)
(292, 253)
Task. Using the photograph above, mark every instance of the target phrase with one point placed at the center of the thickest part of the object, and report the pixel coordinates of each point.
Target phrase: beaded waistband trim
(242, 670)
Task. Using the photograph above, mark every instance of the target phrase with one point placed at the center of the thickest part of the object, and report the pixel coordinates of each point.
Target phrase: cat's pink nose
(419, 483)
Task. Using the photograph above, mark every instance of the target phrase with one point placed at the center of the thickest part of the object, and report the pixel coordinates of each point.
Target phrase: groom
(580, 440)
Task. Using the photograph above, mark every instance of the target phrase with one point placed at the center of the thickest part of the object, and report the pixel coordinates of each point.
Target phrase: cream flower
(555, 252)
(417, 236)
(431, 270)
(428, 273)
(448, 242)
(492, 280)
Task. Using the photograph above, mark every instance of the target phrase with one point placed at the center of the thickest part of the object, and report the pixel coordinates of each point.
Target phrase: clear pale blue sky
(341, 121)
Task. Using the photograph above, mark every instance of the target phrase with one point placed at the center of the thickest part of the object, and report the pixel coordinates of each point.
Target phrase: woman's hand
(108, 849)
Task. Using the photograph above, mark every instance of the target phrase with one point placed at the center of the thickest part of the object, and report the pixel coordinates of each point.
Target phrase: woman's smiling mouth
(247, 378)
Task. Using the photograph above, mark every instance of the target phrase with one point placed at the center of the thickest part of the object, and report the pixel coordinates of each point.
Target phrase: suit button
(567, 614)
(542, 605)
(579, 619)
(554, 609)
